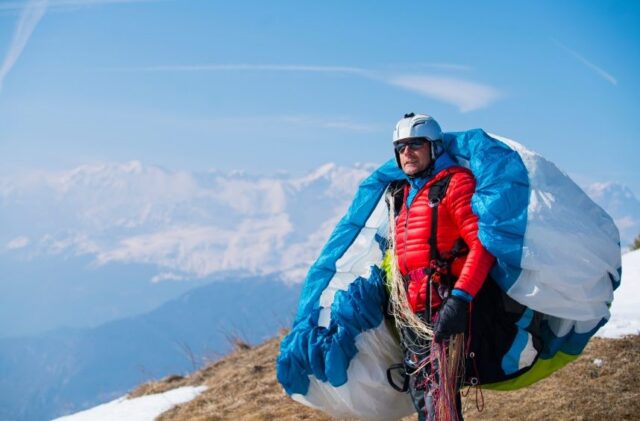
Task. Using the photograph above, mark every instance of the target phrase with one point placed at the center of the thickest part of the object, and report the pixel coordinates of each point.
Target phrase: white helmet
(420, 126)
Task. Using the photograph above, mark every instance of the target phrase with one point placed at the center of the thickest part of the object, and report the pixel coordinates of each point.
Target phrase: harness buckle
(403, 375)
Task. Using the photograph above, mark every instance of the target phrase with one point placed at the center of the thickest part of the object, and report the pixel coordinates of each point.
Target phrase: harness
(439, 269)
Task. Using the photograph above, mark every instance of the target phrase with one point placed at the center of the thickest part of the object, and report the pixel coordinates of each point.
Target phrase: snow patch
(625, 310)
(139, 409)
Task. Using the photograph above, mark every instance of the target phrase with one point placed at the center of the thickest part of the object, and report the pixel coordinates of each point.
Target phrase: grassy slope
(243, 386)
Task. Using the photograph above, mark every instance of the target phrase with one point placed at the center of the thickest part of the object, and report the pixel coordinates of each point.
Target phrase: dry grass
(167, 383)
(243, 386)
(580, 391)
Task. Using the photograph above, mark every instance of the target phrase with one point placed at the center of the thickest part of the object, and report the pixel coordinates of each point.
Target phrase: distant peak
(600, 189)
(323, 170)
(134, 167)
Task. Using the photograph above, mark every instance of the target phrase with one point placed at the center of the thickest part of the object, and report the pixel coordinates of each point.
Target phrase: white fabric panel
(367, 394)
(528, 354)
(356, 261)
(570, 247)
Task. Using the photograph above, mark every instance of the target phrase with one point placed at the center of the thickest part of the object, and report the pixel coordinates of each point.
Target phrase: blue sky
(290, 85)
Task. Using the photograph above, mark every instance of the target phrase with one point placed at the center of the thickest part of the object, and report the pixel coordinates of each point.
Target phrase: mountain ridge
(79, 368)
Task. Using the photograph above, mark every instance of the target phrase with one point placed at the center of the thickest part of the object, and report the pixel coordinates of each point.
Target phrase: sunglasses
(414, 145)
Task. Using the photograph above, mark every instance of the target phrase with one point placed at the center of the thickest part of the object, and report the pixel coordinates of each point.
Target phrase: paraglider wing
(557, 257)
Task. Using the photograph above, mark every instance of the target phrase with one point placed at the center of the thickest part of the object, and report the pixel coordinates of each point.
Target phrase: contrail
(465, 94)
(248, 67)
(29, 18)
(15, 5)
(602, 73)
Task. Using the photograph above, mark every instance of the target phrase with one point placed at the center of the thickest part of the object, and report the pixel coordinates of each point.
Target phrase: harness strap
(436, 194)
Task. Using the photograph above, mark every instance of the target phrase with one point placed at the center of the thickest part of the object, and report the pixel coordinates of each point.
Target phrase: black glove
(452, 318)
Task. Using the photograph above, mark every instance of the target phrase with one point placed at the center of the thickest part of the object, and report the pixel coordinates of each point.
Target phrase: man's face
(414, 158)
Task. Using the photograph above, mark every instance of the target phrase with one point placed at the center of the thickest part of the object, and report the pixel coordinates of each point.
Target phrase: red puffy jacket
(455, 220)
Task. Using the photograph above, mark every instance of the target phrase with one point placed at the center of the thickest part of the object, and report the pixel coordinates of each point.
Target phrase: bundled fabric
(557, 258)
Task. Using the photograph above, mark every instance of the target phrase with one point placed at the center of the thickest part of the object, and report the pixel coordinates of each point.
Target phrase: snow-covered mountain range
(189, 225)
(192, 225)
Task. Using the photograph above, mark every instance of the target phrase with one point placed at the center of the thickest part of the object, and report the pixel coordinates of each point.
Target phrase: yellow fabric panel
(541, 369)
(386, 268)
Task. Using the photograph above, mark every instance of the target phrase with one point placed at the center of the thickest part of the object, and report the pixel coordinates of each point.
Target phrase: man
(437, 250)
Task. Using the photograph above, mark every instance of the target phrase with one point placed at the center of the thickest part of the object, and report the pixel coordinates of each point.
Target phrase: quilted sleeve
(479, 261)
